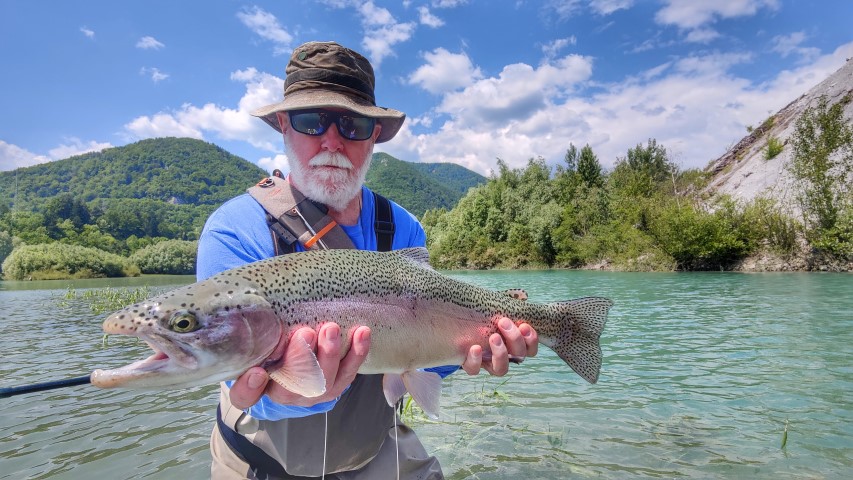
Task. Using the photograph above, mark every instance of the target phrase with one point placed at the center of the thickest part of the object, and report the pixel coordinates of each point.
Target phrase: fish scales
(217, 328)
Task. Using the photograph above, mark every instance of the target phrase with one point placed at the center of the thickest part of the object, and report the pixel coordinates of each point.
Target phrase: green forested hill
(167, 187)
(173, 170)
(454, 177)
(420, 186)
(161, 187)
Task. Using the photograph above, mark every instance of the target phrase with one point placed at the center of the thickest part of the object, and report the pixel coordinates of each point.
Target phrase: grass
(106, 299)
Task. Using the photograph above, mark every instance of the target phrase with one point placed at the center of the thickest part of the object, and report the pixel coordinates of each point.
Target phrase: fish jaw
(226, 344)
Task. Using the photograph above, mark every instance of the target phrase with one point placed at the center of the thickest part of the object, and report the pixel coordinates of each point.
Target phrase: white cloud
(218, 121)
(13, 156)
(271, 163)
(564, 9)
(606, 7)
(693, 106)
(448, 3)
(702, 35)
(75, 146)
(266, 26)
(517, 92)
(428, 19)
(690, 14)
(786, 45)
(552, 49)
(149, 43)
(382, 31)
(155, 73)
(444, 72)
(88, 32)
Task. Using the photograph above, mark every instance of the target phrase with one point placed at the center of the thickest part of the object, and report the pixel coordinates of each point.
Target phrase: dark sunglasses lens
(355, 128)
(316, 123)
(309, 123)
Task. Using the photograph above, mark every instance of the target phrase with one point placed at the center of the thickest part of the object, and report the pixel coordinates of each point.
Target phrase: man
(329, 122)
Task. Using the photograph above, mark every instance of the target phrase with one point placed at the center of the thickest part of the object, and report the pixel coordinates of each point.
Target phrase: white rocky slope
(744, 173)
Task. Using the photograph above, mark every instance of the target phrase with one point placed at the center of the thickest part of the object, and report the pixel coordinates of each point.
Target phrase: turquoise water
(702, 373)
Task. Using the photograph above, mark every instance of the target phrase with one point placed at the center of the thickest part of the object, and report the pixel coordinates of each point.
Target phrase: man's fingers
(531, 339)
(329, 351)
(474, 360)
(359, 346)
(512, 338)
(249, 387)
(500, 356)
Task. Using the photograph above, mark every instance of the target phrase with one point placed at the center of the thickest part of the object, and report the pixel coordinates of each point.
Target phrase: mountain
(167, 187)
(419, 187)
(745, 173)
(173, 170)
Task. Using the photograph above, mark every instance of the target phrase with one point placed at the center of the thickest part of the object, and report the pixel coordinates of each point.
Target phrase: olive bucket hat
(327, 75)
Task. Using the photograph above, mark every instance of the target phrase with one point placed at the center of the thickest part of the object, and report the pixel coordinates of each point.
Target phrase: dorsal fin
(419, 255)
(517, 294)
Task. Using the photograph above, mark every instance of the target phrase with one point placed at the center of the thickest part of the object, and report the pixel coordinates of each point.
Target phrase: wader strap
(260, 462)
(292, 217)
(384, 225)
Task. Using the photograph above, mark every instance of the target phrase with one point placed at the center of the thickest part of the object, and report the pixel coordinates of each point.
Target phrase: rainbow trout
(216, 329)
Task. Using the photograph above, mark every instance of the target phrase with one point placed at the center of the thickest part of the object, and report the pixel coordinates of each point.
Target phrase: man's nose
(331, 139)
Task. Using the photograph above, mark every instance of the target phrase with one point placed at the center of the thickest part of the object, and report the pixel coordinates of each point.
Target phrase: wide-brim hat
(328, 75)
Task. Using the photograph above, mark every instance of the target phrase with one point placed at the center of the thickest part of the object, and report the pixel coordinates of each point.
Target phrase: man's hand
(339, 372)
(518, 341)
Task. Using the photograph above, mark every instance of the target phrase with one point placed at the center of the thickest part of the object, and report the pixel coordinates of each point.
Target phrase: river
(703, 374)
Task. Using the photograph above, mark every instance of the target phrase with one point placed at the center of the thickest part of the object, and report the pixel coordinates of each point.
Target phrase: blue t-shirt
(237, 234)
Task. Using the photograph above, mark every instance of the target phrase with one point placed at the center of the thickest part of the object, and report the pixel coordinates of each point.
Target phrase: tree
(823, 163)
(589, 168)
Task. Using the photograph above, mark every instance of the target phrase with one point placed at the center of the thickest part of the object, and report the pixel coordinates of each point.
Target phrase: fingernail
(525, 330)
(331, 333)
(497, 341)
(256, 381)
(505, 323)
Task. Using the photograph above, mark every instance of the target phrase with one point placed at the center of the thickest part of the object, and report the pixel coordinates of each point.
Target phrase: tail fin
(575, 336)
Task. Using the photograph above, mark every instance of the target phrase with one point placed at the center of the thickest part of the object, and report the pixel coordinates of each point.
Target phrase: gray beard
(335, 189)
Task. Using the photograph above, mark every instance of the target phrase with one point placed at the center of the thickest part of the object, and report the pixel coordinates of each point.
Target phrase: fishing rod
(39, 387)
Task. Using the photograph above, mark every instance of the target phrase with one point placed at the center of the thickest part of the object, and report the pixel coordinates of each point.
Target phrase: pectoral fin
(301, 373)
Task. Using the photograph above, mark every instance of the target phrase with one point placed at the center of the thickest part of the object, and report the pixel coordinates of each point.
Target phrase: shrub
(172, 257)
(774, 148)
(5, 247)
(50, 261)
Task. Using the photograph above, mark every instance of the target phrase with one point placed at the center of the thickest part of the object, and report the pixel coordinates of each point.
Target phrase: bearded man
(329, 122)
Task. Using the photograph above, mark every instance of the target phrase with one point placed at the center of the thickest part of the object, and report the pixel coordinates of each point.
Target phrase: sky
(479, 80)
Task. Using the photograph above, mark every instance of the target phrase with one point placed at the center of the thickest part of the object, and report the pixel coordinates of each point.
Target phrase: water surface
(702, 372)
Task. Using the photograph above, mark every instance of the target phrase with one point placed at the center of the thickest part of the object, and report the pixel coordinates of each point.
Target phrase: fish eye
(183, 322)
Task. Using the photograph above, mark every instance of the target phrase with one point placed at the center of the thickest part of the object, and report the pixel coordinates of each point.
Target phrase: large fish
(216, 329)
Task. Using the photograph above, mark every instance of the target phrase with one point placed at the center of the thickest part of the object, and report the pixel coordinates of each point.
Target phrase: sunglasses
(316, 122)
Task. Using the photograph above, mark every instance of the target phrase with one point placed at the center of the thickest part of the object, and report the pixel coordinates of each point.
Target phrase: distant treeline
(645, 214)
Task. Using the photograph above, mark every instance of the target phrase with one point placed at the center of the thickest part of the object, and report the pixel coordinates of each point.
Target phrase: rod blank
(39, 387)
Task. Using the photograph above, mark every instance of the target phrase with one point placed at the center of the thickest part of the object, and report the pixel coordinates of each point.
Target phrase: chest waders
(361, 419)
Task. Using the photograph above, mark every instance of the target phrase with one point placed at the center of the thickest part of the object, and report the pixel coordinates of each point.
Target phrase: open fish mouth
(168, 358)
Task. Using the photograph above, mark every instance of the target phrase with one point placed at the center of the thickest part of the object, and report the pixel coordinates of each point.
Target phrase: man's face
(327, 168)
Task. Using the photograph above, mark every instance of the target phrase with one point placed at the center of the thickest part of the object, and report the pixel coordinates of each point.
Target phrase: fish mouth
(167, 360)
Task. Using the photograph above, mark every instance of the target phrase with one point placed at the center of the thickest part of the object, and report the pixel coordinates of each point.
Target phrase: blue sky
(478, 79)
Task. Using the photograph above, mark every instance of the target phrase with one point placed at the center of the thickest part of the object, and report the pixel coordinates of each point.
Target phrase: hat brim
(391, 120)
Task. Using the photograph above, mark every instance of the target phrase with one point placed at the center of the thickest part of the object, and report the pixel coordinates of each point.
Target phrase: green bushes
(822, 162)
(774, 148)
(58, 261)
(174, 257)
